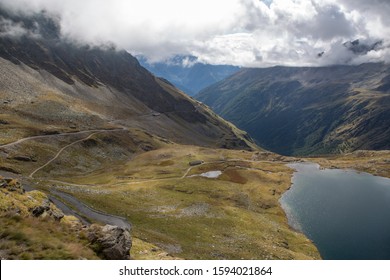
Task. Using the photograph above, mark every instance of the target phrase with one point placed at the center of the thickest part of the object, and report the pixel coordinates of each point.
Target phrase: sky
(249, 33)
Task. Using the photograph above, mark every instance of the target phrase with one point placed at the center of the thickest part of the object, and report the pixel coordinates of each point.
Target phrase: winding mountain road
(83, 210)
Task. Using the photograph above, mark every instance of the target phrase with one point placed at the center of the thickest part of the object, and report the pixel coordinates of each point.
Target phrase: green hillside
(302, 111)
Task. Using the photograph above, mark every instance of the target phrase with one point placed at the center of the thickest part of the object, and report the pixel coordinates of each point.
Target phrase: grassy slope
(235, 216)
(26, 237)
(112, 160)
(374, 162)
(303, 111)
(32, 238)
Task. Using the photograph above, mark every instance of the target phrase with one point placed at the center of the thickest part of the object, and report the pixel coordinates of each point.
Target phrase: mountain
(358, 47)
(51, 82)
(301, 111)
(187, 74)
(109, 143)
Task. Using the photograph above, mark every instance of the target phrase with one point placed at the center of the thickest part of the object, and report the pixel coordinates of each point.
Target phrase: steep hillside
(48, 81)
(32, 227)
(300, 111)
(187, 74)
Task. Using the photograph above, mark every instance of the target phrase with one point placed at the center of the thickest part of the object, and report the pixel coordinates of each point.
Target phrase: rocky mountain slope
(187, 74)
(301, 111)
(55, 84)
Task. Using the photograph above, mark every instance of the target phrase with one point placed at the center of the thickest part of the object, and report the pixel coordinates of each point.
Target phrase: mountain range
(187, 74)
(308, 110)
(70, 85)
(99, 158)
(87, 130)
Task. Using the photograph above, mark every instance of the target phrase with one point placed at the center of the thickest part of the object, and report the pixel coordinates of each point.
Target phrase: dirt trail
(161, 179)
(71, 144)
(56, 135)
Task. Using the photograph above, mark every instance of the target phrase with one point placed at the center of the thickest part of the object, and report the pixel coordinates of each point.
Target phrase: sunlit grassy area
(175, 212)
(374, 162)
(32, 238)
(23, 236)
(235, 216)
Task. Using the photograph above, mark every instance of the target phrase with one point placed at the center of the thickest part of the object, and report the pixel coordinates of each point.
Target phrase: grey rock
(23, 158)
(57, 214)
(112, 242)
(195, 162)
(39, 210)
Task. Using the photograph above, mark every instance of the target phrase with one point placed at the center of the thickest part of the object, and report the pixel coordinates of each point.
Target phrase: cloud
(12, 29)
(240, 32)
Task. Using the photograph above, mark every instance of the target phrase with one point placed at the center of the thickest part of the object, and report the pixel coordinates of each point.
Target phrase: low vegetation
(24, 235)
(175, 213)
(374, 162)
(305, 111)
(186, 215)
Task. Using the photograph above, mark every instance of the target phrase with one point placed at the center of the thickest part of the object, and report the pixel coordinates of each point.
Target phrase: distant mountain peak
(361, 47)
(187, 72)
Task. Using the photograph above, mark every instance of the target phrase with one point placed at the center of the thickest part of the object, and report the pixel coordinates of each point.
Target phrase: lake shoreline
(328, 206)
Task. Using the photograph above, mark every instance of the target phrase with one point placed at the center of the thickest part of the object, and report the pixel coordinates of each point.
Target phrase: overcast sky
(239, 32)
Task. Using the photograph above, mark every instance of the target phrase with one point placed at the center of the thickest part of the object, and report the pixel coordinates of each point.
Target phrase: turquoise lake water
(344, 212)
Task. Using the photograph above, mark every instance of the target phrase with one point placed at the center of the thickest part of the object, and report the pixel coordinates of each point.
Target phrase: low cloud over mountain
(239, 32)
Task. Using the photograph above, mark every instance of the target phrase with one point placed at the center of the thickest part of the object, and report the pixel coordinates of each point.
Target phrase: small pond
(210, 174)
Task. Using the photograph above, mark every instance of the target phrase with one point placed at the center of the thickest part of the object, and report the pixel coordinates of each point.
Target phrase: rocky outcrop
(195, 162)
(110, 242)
(24, 158)
(47, 209)
(11, 185)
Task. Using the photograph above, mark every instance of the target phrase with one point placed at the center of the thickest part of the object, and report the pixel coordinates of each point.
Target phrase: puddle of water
(211, 174)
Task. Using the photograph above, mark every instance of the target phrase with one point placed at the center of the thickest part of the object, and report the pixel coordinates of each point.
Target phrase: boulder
(38, 210)
(196, 162)
(56, 213)
(46, 208)
(23, 158)
(111, 242)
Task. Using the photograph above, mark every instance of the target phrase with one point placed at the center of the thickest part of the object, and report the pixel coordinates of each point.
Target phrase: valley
(180, 215)
(187, 73)
(87, 130)
(157, 192)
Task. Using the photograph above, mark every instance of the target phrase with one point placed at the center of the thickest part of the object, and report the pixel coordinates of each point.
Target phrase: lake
(344, 212)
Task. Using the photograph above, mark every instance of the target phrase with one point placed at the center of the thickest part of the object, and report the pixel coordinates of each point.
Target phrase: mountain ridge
(187, 74)
(106, 82)
(304, 110)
